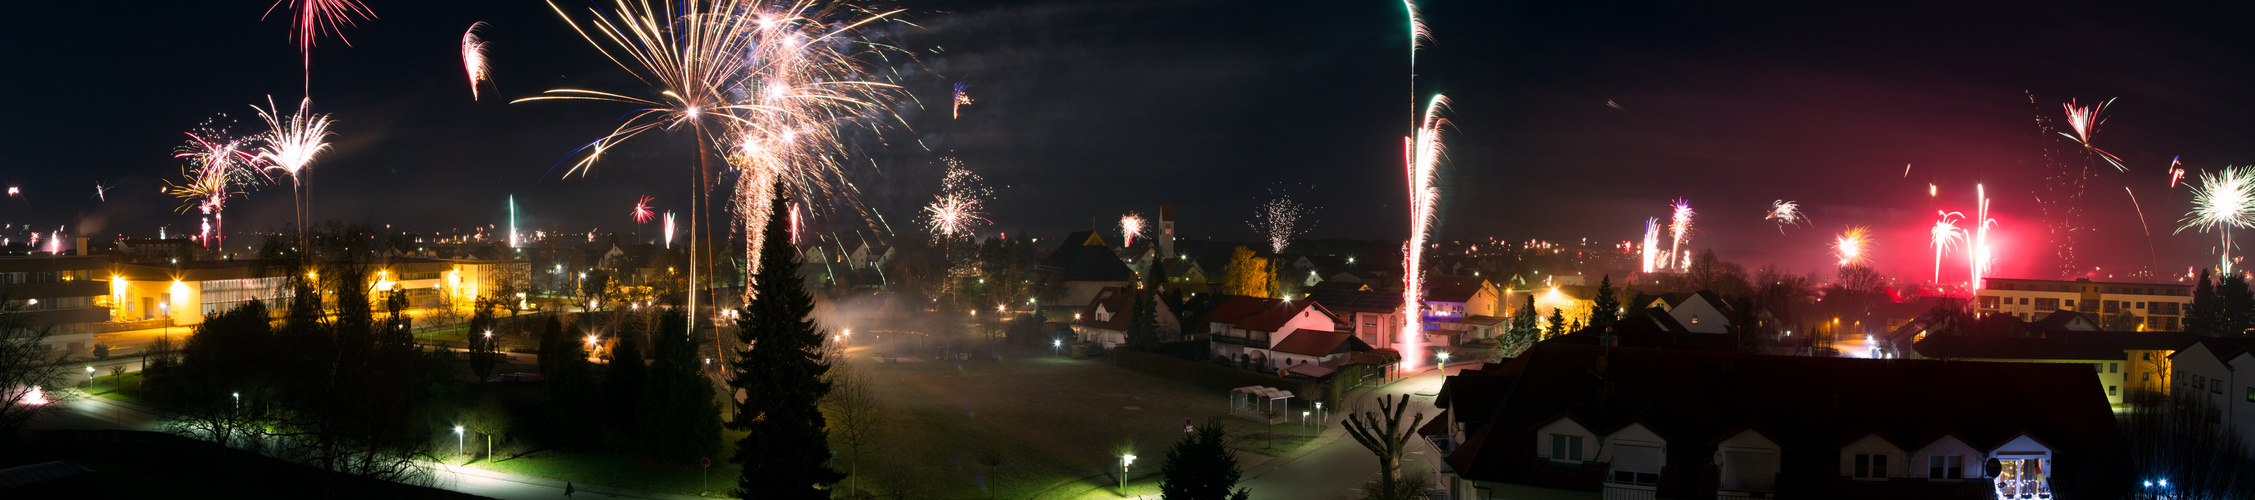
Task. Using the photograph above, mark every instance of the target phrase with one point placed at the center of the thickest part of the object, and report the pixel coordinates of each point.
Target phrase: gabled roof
(2223, 348)
(1441, 292)
(1798, 402)
(1085, 257)
(1354, 301)
(2062, 344)
(1120, 301)
(1259, 314)
(2063, 320)
(1319, 343)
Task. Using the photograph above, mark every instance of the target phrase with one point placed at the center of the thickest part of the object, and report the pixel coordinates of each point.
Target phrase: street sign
(708, 462)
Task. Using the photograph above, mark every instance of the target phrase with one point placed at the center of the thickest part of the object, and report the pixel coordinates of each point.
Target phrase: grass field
(1032, 423)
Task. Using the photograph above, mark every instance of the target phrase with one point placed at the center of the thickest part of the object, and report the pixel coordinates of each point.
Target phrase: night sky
(1099, 108)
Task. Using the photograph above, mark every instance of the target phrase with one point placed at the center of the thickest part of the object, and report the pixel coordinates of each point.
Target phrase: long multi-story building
(2149, 306)
(63, 294)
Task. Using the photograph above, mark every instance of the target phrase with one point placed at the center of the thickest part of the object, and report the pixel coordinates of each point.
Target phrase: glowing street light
(458, 449)
(1124, 461)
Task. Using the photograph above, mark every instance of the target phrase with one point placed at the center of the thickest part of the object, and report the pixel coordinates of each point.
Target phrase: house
(1451, 299)
(2141, 306)
(1318, 347)
(2124, 361)
(1080, 267)
(1373, 317)
(1650, 329)
(1248, 329)
(2218, 373)
(1587, 421)
(65, 294)
(1702, 311)
(1105, 319)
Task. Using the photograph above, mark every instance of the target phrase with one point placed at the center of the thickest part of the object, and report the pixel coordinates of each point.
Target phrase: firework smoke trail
(2084, 121)
(1945, 235)
(2220, 202)
(1424, 158)
(1651, 244)
(314, 18)
(962, 98)
(473, 57)
(955, 211)
(767, 84)
(1977, 254)
(642, 211)
(1785, 212)
(2152, 251)
(1278, 221)
(1679, 229)
(1131, 226)
(1850, 245)
(216, 165)
(290, 143)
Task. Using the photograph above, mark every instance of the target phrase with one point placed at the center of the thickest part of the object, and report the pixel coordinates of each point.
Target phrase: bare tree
(2181, 439)
(855, 418)
(27, 365)
(1383, 433)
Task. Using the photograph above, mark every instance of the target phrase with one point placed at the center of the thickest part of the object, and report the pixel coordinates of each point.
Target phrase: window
(2049, 304)
(1945, 467)
(1633, 477)
(2101, 367)
(2216, 386)
(2141, 305)
(2147, 356)
(2145, 377)
(2023, 301)
(1563, 447)
(2110, 391)
(1694, 319)
(1870, 466)
(2113, 368)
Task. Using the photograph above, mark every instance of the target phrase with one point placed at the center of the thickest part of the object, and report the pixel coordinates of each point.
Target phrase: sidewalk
(516, 486)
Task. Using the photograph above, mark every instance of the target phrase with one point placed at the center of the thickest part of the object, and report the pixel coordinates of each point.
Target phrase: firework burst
(642, 211)
(1679, 231)
(1651, 244)
(962, 98)
(956, 211)
(1944, 236)
(1131, 226)
(218, 166)
(1278, 220)
(290, 144)
(764, 85)
(2084, 121)
(1785, 213)
(2220, 202)
(473, 57)
(313, 18)
(1850, 246)
(1977, 256)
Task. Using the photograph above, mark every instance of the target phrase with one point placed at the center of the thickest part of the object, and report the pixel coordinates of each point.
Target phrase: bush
(101, 351)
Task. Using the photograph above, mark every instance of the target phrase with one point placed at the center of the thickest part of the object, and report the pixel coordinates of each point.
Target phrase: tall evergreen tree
(1523, 330)
(1607, 307)
(569, 395)
(625, 383)
(2235, 306)
(1143, 324)
(1200, 467)
(2201, 317)
(779, 372)
(1557, 322)
(680, 416)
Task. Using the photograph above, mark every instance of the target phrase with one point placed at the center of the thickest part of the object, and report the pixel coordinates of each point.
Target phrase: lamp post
(1056, 347)
(458, 447)
(1444, 355)
(1124, 461)
(89, 376)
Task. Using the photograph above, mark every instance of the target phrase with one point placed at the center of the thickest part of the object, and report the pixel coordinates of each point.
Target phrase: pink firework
(1131, 226)
(313, 18)
(1423, 157)
(1977, 252)
(1944, 236)
(642, 212)
(473, 57)
(1679, 229)
(2085, 121)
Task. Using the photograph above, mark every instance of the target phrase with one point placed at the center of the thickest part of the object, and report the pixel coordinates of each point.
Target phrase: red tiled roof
(1115, 300)
(1259, 314)
(1319, 343)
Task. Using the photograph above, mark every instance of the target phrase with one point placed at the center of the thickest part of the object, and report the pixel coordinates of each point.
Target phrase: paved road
(1337, 466)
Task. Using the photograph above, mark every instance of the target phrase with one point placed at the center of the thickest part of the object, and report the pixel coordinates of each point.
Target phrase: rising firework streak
(1679, 230)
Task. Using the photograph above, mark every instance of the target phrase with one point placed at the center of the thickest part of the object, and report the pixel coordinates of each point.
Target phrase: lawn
(623, 470)
(1032, 423)
(125, 388)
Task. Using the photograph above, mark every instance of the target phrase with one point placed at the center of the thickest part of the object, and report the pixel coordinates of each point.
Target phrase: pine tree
(2235, 306)
(1143, 324)
(625, 382)
(784, 451)
(2202, 316)
(1199, 467)
(1607, 307)
(569, 394)
(680, 418)
(1557, 322)
(1523, 330)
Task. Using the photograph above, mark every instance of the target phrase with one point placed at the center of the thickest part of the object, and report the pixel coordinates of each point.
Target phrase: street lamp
(1124, 461)
(89, 375)
(1444, 355)
(1056, 347)
(458, 450)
